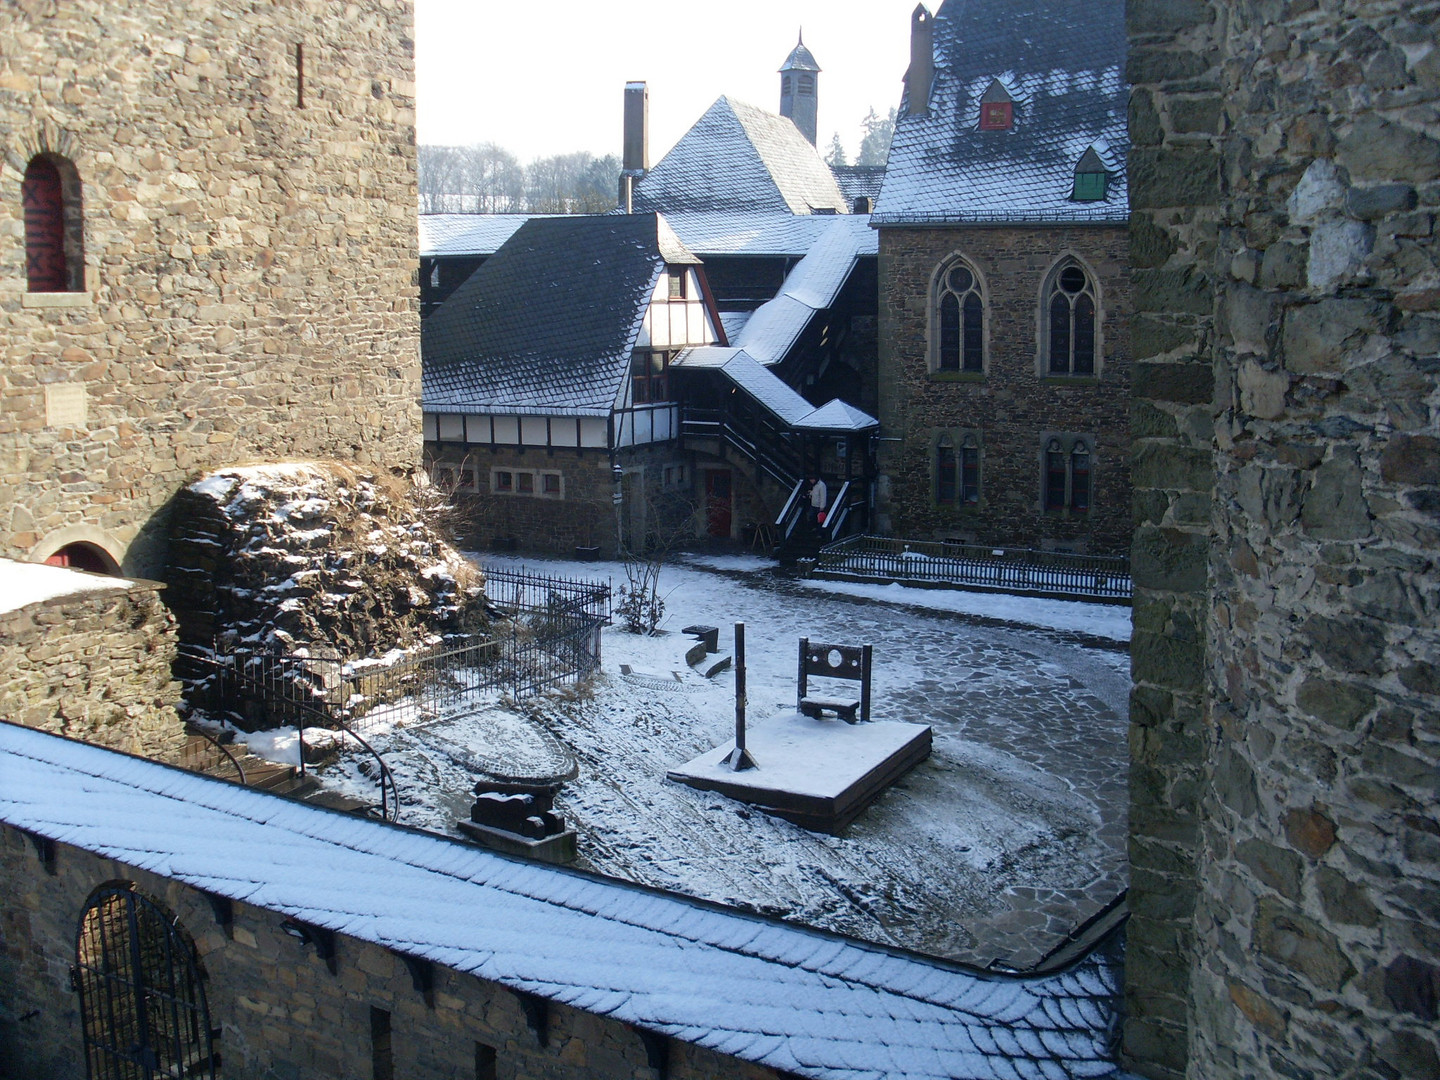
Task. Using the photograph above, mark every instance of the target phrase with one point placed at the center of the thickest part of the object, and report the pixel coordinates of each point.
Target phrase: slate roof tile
(740, 158)
(547, 323)
(1064, 60)
(770, 993)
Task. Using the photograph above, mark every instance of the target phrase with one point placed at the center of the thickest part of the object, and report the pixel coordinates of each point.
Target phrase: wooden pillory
(740, 759)
(834, 662)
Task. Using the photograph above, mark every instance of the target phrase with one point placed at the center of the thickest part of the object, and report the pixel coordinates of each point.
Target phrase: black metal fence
(1019, 570)
(513, 591)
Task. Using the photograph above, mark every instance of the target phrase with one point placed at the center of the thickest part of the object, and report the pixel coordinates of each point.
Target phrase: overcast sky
(545, 78)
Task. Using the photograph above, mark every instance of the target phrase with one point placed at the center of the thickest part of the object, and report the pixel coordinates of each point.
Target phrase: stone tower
(799, 76)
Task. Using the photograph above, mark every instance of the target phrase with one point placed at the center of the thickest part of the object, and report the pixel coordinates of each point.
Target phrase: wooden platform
(820, 774)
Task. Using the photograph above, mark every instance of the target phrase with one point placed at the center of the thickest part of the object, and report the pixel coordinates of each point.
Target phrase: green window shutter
(1089, 186)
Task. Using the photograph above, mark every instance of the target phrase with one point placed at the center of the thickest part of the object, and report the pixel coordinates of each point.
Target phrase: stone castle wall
(278, 1008)
(249, 260)
(1012, 407)
(581, 514)
(95, 666)
(1285, 860)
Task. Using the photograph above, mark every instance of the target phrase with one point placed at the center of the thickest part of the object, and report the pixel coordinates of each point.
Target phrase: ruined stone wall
(95, 666)
(1286, 178)
(1012, 407)
(249, 255)
(278, 1008)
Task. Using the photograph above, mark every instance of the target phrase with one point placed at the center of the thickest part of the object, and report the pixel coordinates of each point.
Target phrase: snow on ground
(23, 583)
(1011, 834)
(1098, 620)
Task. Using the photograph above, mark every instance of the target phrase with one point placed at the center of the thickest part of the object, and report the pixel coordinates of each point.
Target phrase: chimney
(636, 156)
(635, 148)
(922, 62)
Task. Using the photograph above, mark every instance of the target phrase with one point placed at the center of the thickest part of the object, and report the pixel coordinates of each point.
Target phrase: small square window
(504, 481)
(551, 483)
(525, 483)
(997, 116)
(1090, 187)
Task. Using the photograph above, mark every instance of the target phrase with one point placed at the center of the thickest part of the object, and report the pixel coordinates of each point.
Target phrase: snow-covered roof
(467, 234)
(705, 232)
(778, 995)
(812, 285)
(800, 58)
(547, 324)
(837, 415)
(738, 157)
(767, 389)
(859, 181)
(23, 584)
(1063, 63)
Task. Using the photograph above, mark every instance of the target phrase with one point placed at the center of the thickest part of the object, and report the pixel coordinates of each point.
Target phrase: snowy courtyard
(1010, 835)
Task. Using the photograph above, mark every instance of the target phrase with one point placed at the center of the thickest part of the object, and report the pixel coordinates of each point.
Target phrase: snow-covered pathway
(992, 850)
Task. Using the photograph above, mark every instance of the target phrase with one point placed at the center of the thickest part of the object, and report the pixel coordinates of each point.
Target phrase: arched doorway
(83, 556)
(142, 1006)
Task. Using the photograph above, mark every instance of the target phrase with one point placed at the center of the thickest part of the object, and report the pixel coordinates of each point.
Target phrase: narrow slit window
(945, 471)
(970, 473)
(42, 197)
(382, 1054)
(299, 75)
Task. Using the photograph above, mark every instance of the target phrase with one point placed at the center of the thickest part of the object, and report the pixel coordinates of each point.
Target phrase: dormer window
(997, 108)
(1092, 179)
(678, 290)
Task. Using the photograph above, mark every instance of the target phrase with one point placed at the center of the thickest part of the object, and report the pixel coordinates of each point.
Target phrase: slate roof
(859, 181)
(1063, 61)
(547, 324)
(800, 59)
(766, 992)
(812, 285)
(467, 234)
(738, 157)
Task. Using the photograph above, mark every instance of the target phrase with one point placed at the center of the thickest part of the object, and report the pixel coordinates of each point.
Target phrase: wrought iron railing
(205, 753)
(1040, 573)
(283, 689)
(512, 591)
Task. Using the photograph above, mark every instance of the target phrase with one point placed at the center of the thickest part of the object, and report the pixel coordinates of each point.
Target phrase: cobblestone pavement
(991, 852)
(1056, 701)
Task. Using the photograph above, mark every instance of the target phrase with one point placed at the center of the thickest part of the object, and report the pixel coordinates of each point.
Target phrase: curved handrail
(389, 793)
(196, 729)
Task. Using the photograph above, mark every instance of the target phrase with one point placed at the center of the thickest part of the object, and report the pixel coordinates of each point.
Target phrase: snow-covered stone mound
(314, 555)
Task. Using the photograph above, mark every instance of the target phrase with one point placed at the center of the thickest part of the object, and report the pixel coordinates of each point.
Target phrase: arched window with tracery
(1070, 341)
(960, 319)
(142, 1004)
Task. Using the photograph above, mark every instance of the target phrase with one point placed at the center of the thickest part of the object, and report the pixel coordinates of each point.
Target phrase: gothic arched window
(960, 319)
(142, 1006)
(1071, 325)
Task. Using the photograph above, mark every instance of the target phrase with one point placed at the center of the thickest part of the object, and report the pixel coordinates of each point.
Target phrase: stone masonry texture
(1011, 409)
(249, 255)
(278, 1009)
(95, 667)
(1286, 754)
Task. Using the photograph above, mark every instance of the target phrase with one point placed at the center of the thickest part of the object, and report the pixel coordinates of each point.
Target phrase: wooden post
(740, 759)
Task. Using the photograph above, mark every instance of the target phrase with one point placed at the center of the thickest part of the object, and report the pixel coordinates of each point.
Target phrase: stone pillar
(1286, 755)
(1174, 191)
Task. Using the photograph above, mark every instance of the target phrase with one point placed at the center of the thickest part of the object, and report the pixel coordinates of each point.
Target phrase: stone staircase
(201, 755)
